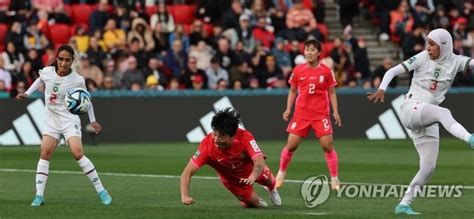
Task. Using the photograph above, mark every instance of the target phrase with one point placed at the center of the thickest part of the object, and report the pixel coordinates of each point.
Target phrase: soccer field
(143, 180)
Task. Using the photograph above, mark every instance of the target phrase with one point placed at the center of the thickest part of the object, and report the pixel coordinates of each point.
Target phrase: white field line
(7, 170)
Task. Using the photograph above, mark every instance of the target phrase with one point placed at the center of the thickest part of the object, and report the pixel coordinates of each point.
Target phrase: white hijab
(445, 42)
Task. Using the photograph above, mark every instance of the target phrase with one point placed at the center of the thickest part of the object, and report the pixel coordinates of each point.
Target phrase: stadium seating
(3, 33)
(60, 34)
(80, 13)
(183, 14)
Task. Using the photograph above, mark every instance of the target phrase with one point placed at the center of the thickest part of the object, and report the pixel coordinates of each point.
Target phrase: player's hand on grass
(97, 127)
(248, 181)
(286, 114)
(337, 118)
(379, 95)
(21, 96)
(187, 200)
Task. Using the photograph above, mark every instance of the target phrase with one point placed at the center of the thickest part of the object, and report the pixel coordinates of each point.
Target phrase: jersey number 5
(312, 88)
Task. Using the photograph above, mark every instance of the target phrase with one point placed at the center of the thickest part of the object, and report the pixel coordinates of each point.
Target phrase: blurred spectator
(91, 85)
(231, 17)
(198, 82)
(381, 12)
(241, 54)
(98, 18)
(142, 33)
(224, 54)
(272, 73)
(193, 71)
(294, 51)
(341, 60)
(459, 48)
(441, 19)
(122, 16)
(159, 71)
(34, 38)
(141, 55)
(108, 83)
(136, 86)
(260, 33)
(26, 74)
(133, 75)
(258, 57)
(401, 21)
(242, 72)
(90, 71)
(347, 10)
(48, 56)
(211, 11)
(301, 23)
(12, 58)
(380, 72)
(19, 88)
(47, 5)
(197, 33)
(282, 57)
(162, 19)
(221, 85)
(95, 53)
(203, 54)
(81, 39)
(237, 85)
(215, 73)
(175, 59)
(5, 77)
(460, 28)
(161, 40)
(152, 83)
(422, 10)
(243, 33)
(111, 70)
(361, 63)
(114, 38)
(179, 34)
(414, 42)
(15, 35)
(174, 84)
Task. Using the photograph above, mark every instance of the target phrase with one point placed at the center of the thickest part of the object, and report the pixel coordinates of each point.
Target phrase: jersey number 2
(52, 98)
(312, 88)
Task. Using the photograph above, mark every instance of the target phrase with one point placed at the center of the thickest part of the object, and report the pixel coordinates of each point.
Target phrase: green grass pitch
(149, 187)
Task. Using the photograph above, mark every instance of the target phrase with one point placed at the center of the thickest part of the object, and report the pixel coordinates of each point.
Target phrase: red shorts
(244, 192)
(301, 127)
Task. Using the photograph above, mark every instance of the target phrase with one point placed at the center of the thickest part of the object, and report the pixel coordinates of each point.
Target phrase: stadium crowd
(212, 44)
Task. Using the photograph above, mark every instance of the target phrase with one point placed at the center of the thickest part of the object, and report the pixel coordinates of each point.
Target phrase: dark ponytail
(63, 47)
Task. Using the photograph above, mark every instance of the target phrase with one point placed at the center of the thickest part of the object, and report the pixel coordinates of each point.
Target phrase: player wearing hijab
(434, 71)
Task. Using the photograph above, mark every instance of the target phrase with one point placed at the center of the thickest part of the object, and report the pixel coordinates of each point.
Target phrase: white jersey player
(58, 79)
(434, 71)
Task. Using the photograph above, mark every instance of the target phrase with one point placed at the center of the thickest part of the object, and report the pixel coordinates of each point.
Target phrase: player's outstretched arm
(258, 166)
(379, 95)
(188, 172)
(30, 90)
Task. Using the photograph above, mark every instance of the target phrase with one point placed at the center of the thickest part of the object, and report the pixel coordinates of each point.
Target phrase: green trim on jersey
(467, 65)
(405, 67)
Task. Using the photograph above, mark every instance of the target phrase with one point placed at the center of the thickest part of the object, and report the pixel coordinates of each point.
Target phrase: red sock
(332, 162)
(285, 159)
(272, 184)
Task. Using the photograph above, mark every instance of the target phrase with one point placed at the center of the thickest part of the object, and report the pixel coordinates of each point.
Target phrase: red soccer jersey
(231, 163)
(312, 102)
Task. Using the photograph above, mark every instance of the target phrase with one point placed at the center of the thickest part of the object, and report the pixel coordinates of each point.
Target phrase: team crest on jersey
(321, 79)
(411, 60)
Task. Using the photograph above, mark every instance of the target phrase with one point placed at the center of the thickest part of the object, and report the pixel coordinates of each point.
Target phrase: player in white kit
(58, 79)
(434, 71)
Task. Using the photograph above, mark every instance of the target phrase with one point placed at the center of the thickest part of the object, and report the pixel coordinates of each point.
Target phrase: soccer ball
(78, 101)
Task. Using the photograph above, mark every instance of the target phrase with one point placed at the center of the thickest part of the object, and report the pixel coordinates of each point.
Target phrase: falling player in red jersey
(314, 83)
(239, 162)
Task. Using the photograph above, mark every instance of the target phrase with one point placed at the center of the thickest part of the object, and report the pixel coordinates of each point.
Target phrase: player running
(434, 72)
(58, 79)
(314, 83)
(239, 162)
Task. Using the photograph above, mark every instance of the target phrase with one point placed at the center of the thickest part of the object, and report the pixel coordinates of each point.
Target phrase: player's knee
(78, 155)
(46, 154)
(428, 169)
(291, 148)
(444, 111)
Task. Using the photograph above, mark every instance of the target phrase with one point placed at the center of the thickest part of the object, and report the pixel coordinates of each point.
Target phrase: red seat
(3, 34)
(182, 14)
(150, 10)
(60, 34)
(323, 28)
(326, 49)
(81, 13)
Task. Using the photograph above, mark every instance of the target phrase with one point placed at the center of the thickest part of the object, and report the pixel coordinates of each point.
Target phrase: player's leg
(87, 166)
(332, 160)
(268, 181)
(297, 129)
(254, 201)
(427, 148)
(430, 114)
(323, 131)
(48, 144)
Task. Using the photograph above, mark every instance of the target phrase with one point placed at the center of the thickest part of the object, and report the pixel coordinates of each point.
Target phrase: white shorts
(410, 116)
(59, 123)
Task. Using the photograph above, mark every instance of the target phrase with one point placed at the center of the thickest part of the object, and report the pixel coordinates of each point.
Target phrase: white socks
(90, 171)
(458, 131)
(42, 172)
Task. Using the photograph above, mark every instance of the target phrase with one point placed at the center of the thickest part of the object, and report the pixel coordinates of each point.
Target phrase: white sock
(458, 131)
(90, 171)
(42, 171)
